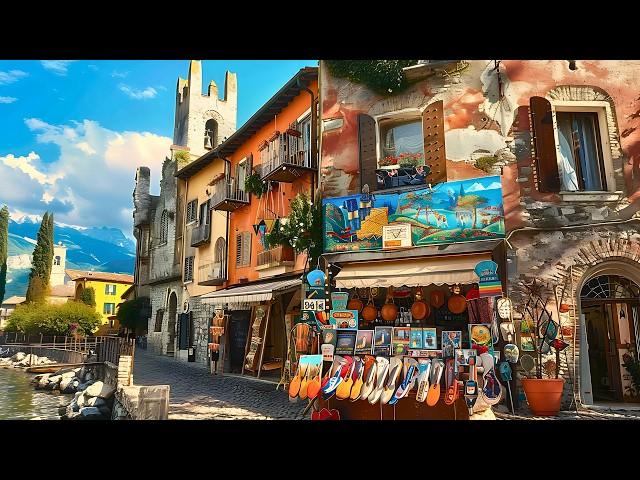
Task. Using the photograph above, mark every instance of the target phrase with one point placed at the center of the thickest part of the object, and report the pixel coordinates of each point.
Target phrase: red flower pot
(544, 395)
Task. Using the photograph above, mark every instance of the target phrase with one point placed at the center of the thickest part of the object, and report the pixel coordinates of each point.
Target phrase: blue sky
(63, 123)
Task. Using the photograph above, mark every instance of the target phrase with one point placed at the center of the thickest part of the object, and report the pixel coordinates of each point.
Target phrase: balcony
(287, 157)
(201, 235)
(212, 273)
(228, 195)
(276, 257)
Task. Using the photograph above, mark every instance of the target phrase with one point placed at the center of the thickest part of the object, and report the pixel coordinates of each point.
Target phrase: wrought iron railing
(211, 272)
(201, 234)
(288, 148)
(228, 189)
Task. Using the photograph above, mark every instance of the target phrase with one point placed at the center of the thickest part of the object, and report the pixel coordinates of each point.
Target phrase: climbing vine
(384, 77)
(254, 184)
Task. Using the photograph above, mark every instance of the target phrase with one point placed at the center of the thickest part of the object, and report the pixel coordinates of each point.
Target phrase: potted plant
(389, 162)
(409, 160)
(544, 390)
(254, 184)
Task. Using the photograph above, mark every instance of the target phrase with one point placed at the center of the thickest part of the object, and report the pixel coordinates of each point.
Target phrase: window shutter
(238, 249)
(545, 145)
(367, 151)
(435, 155)
(246, 248)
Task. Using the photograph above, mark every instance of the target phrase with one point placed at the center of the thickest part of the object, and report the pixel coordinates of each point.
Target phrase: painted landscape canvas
(455, 211)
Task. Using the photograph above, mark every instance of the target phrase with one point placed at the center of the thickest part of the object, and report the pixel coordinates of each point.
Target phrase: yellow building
(108, 288)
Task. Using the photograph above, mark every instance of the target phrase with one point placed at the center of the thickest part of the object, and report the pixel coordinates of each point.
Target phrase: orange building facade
(227, 267)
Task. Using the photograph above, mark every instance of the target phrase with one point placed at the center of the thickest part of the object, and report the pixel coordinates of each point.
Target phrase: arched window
(610, 286)
(56, 260)
(210, 133)
(164, 226)
(220, 256)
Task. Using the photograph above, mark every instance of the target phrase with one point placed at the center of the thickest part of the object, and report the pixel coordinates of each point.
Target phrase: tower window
(210, 133)
(56, 260)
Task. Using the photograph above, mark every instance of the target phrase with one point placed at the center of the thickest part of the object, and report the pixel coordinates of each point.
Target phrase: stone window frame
(600, 109)
(585, 98)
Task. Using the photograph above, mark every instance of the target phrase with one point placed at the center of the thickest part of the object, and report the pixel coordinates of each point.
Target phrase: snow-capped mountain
(97, 248)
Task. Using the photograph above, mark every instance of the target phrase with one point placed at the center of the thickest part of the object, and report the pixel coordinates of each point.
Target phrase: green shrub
(384, 77)
(47, 319)
(88, 296)
(486, 163)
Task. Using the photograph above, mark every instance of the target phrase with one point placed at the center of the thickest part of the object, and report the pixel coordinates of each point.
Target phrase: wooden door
(599, 353)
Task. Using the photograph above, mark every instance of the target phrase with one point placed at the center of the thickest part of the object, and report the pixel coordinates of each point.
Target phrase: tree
(4, 249)
(88, 296)
(474, 202)
(133, 314)
(42, 261)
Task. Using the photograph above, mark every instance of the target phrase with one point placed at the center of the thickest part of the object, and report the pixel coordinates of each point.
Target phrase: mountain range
(104, 249)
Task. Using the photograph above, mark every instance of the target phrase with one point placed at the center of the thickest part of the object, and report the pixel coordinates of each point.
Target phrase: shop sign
(396, 236)
(347, 319)
(449, 212)
(314, 304)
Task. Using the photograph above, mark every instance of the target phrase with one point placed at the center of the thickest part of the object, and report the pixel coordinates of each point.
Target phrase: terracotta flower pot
(544, 395)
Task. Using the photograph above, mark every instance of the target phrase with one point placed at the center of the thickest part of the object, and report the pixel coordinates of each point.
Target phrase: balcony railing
(287, 157)
(275, 257)
(228, 195)
(212, 273)
(201, 235)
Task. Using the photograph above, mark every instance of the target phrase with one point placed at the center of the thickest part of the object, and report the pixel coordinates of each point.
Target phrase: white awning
(251, 294)
(411, 272)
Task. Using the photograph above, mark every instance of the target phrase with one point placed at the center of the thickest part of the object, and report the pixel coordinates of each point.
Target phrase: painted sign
(314, 304)
(456, 211)
(396, 236)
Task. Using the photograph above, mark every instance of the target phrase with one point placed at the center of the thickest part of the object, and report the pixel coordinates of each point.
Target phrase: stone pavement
(502, 413)
(197, 395)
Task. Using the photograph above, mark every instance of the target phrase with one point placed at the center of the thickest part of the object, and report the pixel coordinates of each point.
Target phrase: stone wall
(60, 356)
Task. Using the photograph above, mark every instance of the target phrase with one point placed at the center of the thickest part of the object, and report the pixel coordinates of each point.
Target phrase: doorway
(171, 324)
(610, 304)
(238, 330)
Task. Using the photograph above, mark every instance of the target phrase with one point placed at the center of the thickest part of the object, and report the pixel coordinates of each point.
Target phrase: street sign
(315, 304)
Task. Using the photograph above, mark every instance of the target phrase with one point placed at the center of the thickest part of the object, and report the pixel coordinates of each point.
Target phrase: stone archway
(596, 258)
(171, 323)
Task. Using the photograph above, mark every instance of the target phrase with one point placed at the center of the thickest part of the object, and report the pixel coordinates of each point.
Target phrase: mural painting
(455, 211)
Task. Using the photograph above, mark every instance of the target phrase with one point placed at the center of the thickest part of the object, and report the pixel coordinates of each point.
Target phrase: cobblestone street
(195, 394)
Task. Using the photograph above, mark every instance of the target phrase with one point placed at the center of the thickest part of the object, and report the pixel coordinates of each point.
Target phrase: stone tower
(203, 121)
(59, 263)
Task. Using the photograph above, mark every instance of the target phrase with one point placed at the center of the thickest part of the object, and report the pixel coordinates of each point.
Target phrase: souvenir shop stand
(435, 306)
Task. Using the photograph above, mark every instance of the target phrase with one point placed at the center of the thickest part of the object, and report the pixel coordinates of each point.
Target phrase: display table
(406, 409)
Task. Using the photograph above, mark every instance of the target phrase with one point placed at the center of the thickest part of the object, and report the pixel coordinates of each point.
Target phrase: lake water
(20, 401)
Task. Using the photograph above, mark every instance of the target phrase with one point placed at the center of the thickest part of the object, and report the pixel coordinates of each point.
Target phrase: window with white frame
(109, 308)
(109, 289)
(583, 160)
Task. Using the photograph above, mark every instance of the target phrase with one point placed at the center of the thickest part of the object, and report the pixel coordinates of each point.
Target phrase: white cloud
(494, 186)
(476, 187)
(137, 94)
(11, 76)
(91, 181)
(117, 74)
(7, 99)
(59, 67)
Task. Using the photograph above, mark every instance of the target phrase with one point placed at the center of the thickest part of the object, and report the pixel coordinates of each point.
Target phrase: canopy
(253, 293)
(411, 272)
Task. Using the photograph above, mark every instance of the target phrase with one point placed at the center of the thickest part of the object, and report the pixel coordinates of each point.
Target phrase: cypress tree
(4, 249)
(42, 261)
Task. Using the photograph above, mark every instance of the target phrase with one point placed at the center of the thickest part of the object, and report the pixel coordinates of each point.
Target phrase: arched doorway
(610, 311)
(171, 324)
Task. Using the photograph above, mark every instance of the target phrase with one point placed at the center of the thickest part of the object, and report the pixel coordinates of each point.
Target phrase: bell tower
(203, 121)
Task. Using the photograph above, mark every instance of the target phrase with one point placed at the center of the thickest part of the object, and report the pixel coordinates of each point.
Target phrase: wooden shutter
(238, 249)
(435, 155)
(246, 248)
(545, 145)
(367, 151)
